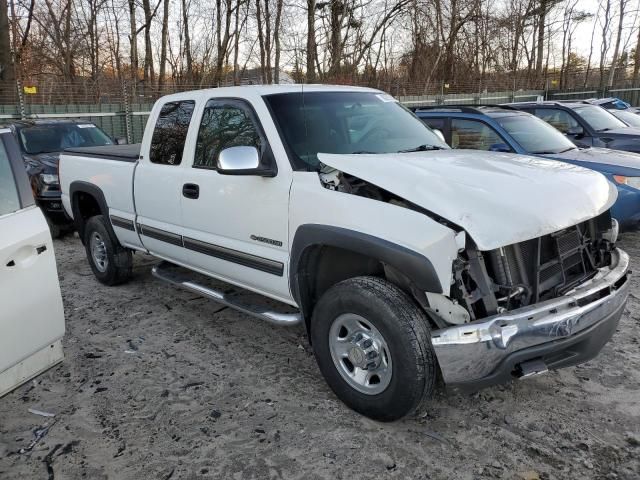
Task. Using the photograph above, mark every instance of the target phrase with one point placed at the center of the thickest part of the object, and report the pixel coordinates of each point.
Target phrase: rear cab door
(31, 313)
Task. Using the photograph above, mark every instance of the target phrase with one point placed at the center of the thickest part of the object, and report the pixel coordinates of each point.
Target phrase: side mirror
(499, 147)
(120, 141)
(241, 161)
(439, 134)
(576, 131)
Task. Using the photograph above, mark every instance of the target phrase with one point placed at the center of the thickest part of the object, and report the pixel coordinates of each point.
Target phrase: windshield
(535, 135)
(55, 138)
(598, 118)
(347, 122)
(630, 118)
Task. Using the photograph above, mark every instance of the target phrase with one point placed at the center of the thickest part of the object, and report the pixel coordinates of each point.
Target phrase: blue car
(505, 129)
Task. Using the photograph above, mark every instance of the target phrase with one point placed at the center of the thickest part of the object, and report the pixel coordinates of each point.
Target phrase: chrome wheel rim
(99, 252)
(360, 354)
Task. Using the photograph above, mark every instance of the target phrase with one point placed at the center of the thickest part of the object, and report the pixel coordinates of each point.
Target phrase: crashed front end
(545, 303)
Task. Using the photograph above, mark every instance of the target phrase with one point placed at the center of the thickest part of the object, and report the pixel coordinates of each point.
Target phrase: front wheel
(373, 346)
(110, 262)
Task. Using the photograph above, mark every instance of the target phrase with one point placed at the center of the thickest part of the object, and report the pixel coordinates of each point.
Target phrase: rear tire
(373, 346)
(110, 262)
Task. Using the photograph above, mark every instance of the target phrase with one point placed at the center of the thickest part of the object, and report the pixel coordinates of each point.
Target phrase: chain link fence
(122, 110)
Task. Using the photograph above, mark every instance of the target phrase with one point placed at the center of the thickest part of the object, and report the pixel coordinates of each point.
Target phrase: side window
(224, 126)
(9, 199)
(170, 133)
(473, 135)
(559, 119)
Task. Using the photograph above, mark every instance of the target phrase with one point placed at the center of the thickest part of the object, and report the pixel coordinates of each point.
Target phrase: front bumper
(561, 332)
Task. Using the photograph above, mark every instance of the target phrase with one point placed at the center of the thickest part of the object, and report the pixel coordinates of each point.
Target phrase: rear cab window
(170, 132)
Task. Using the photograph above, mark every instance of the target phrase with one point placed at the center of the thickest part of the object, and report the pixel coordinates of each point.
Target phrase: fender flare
(414, 265)
(79, 186)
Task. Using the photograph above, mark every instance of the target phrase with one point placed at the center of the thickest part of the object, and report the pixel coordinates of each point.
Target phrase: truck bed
(122, 153)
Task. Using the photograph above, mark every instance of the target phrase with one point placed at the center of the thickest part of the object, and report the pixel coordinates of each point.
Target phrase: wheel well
(321, 266)
(85, 206)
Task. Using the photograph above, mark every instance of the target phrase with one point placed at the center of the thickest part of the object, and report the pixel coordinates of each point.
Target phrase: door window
(473, 135)
(560, 119)
(9, 199)
(224, 126)
(170, 133)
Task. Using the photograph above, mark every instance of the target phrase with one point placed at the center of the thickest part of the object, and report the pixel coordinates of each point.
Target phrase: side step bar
(163, 272)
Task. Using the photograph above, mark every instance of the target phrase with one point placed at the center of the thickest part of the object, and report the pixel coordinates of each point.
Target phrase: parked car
(405, 260)
(506, 129)
(586, 125)
(41, 142)
(613, 104)
(627, 116)
(31, 315)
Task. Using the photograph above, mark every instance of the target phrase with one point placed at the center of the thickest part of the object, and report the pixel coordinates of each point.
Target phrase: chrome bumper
(474, 351)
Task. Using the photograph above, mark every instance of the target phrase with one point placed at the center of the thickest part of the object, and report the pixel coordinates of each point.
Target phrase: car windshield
(55, 138)
(535, 135)
(598, 118)
(347, 123)
(630, 118)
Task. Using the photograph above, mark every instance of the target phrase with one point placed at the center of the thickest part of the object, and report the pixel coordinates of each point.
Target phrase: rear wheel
(373, 346)
(110, 262)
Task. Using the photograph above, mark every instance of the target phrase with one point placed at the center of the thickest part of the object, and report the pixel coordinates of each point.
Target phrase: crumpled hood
(605, 156)
(498, 198)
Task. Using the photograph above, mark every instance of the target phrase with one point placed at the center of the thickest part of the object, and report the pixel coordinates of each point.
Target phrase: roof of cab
(253, 91)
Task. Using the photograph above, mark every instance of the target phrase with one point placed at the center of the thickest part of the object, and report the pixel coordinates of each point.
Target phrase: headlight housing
(630, 181)
(49, 178)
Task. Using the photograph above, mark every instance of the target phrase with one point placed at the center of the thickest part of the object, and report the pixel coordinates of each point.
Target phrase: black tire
(406, 331)
(119, 261)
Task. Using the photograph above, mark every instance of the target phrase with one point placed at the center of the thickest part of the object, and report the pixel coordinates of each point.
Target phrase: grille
(549, 265)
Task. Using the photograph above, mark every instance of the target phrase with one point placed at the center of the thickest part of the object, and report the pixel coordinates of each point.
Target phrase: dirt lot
(158, 383)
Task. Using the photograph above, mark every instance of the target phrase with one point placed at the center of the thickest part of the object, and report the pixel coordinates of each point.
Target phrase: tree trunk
(149, 73)
(311, 41)
(133, 42)
(337, 8)
(616, 49)
(636, 63)
(261, 42)
(187, 42)
(542, 18)
(7, 70)
(163, 45)
(276, 34)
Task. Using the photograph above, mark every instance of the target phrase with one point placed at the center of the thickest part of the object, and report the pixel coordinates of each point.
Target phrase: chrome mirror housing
(238, 160)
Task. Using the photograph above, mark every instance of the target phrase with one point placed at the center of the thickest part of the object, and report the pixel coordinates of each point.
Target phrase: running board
(162, 272)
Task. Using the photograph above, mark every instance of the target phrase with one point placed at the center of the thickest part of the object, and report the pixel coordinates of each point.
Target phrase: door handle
(191, 190)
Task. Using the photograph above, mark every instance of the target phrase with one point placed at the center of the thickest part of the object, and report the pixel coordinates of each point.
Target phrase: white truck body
(251, 230)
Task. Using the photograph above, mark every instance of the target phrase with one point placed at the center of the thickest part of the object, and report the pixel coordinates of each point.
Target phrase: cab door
(158, 181)
(236, 227)
(31, 313)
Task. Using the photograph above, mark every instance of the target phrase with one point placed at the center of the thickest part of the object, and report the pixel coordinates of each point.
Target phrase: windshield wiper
(362, 152)
(604, 129)
(422, 148)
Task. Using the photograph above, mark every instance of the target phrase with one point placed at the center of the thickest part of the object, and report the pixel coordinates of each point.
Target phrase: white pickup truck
(405, 260)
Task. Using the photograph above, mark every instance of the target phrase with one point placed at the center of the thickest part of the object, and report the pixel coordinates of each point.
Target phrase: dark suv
(586, 125)
(41, 142)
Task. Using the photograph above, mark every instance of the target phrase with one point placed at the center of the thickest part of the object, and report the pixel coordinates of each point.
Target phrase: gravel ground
(158, 383)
